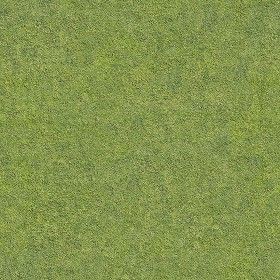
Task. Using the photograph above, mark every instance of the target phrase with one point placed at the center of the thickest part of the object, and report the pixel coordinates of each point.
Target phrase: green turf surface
(139, 140)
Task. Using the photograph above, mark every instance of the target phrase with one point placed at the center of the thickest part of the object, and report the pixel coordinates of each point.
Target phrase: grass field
(140, 140)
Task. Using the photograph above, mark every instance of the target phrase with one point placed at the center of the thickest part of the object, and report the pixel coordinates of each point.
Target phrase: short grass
(139, 139)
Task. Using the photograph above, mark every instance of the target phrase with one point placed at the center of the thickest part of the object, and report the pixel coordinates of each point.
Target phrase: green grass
(139, 140)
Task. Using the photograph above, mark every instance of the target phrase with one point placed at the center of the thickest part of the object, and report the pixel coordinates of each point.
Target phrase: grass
(139, 140)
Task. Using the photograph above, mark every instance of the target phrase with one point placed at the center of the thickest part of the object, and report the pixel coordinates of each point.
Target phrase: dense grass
(139, 139)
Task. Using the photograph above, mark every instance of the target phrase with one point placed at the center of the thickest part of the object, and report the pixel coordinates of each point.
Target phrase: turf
(139, 139)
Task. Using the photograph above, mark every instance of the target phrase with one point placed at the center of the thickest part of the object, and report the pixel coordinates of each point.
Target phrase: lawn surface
(139, 140)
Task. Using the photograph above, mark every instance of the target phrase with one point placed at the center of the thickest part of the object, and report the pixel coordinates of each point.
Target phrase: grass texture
(139, 139)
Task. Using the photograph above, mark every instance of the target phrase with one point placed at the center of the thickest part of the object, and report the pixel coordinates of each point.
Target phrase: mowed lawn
(140, 140)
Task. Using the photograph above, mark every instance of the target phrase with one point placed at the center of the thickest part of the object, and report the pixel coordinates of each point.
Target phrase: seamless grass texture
(139, 139)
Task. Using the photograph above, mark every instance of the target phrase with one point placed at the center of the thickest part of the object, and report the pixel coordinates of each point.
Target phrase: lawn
(139, 140)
